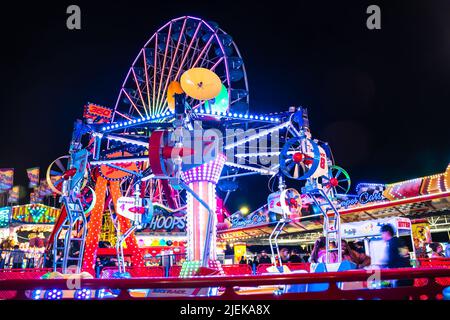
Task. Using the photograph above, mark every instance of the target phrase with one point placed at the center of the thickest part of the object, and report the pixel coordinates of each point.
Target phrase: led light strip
(239, 116)
(249, 168)
(258, 135)
(122, 160)
(127, 140)
(260, 154)
(134, 122)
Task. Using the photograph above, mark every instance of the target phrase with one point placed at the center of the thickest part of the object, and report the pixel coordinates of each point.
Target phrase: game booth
(28, 226)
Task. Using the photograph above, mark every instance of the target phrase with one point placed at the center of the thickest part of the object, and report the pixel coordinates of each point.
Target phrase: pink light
(209, 171)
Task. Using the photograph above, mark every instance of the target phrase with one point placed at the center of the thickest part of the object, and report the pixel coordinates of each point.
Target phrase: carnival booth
(369, 232)
(29, 227)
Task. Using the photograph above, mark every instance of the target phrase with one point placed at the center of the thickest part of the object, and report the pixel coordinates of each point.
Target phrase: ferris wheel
(182, 44)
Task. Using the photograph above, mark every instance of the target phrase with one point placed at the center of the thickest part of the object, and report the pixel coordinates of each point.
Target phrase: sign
(273, 203)
(254, 219)
(362, 199)
(124, 207)
(164, 219)
(33, 176)
(162, 223)
(6, 179)
(94, 111)
(5, 214)
(421, 232)
(240, 250)
(372, 228)
(14, 194)
(34, 214)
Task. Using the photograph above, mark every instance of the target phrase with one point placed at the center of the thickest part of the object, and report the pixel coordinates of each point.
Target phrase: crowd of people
(286, 255)
(13, 256)
(395, 256)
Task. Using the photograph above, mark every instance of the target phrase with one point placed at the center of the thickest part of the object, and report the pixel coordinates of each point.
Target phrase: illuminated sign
(5, 213)
(93, 111)
(372, 228)
(163, 219)
(163, 223)
(254, 219)
(34, 213)
(363, 198)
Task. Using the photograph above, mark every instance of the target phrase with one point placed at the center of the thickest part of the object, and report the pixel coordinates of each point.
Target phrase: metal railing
(30, 259)
(229, 287)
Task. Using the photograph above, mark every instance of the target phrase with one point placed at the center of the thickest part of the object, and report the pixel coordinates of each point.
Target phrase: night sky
(380, 97)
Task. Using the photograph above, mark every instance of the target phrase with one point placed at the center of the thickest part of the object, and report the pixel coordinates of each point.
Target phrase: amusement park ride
(177, 127)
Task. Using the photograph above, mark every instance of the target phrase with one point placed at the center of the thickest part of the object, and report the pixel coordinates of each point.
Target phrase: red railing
(14, 274)
(154, 271)
(434, 262)
(262, 268)
(174, 271)
(429, 290)
(237, 269)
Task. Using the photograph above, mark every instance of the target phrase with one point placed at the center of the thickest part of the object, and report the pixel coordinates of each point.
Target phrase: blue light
(256, 117)
(36, 295)
(134, 121)
(129, 122)
(167, 113)
(267, 119)
(139, 120)
(251, 117)
(82, 294)
(153, 117)
(246, 116)
(54, 294)
(235, 115)
(230, 115)
(103, 128)
(240, 115)
(148, 118)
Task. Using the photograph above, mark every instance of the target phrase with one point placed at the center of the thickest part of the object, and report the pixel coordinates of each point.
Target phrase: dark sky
(380, 97)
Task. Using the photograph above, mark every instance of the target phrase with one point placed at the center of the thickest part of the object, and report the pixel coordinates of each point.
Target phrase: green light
(220, 103)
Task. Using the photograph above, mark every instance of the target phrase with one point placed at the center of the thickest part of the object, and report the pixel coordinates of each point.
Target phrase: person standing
(294, 257)
(319, 252)
(243, 261)
(360, 259)
(393, 246)
(17, 257)
(284, 255)
(437, 250)
(264, 258)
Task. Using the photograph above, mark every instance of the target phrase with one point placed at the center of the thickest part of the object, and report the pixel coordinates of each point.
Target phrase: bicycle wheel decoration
(299, 158)
(291, 202)
(338, 180)
(182, 44)
(58, 171)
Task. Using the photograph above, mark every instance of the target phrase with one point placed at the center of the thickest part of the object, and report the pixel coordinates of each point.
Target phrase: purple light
(209, 171)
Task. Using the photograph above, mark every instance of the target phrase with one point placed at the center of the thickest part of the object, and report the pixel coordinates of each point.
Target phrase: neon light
(260, 134)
